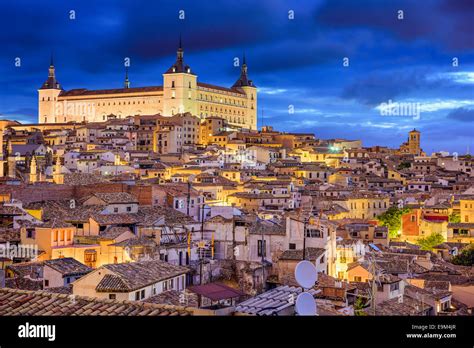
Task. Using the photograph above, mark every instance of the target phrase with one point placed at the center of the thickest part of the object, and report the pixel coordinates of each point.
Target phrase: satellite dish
(306, 274)
(305, 304)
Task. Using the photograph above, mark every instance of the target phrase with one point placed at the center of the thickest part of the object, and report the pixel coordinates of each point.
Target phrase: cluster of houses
(158, 215)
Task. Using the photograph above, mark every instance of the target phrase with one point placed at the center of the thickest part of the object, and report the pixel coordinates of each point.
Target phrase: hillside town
(183, 215)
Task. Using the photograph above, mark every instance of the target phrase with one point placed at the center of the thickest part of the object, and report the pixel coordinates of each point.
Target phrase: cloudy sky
(296, 63)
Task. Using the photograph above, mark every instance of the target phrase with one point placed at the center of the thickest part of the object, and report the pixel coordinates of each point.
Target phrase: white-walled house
(62, 272)
(114, 203)
(134, 281)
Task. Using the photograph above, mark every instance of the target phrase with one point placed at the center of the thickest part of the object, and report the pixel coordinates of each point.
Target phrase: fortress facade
(181, 92)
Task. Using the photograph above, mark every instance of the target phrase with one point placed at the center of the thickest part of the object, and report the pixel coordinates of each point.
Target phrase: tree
(465, 257)
(429, 242)
(359, 306)
(454, 218)
(392, 218)
(404, 165)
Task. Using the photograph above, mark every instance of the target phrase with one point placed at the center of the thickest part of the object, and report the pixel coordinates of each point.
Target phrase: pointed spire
(51, 82)
(244, 66)
(243, 80)
(127, 81)
(180, 52)
(179, 66)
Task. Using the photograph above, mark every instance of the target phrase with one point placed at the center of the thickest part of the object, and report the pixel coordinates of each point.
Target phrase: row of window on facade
(236, 120)
(225, 111)
(62, 235)
(354, 205)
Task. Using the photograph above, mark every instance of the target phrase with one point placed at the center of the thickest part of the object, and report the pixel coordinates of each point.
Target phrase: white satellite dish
(306, 274)
(305, 304)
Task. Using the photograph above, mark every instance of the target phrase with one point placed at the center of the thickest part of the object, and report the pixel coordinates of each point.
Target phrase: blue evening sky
(296, 63)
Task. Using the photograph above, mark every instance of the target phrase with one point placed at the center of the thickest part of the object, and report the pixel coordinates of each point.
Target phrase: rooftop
(127, 277)
(42, 303)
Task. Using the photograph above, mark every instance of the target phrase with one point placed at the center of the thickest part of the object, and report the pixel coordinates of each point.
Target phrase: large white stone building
(181, 92)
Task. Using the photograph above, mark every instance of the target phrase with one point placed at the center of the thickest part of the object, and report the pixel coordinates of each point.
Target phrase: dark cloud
(389, 59)
(378, 87)
(462, 115)
(446, 23)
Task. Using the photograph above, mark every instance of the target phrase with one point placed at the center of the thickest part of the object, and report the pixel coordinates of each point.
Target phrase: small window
(358, 279)
(112, 296)
(261, 248)
(137, 296)
(394, 287)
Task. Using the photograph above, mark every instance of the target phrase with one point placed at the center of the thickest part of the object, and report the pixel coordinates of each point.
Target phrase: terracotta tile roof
(113, 232)
(408, 306)
(68, 266)
(55, 223)
(10, 210)
(138, 241)
(31, 269)
(268, 227)
(216, 291)
(113, 219)
(42, 303)
(311, 254)
(175, 298)
(116, 197)
(84, 179)
(24, 283)
(127, 277)
(9, 235)
(60, 289)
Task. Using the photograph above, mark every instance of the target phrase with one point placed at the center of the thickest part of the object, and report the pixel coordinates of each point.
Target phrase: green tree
(454, 218)
(359, 306)
(404, 165)
(392, 218)
(465, 257)
(429, 242)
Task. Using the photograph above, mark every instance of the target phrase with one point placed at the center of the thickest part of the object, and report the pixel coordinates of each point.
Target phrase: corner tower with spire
(246, 85)
(48, 96)
(179, 87)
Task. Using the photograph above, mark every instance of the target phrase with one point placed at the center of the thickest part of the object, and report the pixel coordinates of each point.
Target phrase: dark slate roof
(51, 82)
(42, 303)
(86, 92)
(225, 89)
(179, 66)
(127, 277)
(68, 266)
